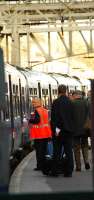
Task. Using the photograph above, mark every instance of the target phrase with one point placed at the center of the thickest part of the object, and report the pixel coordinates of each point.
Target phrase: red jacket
(42, 129)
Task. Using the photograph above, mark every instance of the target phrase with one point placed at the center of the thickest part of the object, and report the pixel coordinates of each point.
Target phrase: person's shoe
(52, 174)
(37, 169)
(78, 170)
(45, 173)
(67, 175)
(87, 166)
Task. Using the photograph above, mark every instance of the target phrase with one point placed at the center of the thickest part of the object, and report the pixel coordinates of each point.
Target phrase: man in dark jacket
(63, 127)
(80, 108)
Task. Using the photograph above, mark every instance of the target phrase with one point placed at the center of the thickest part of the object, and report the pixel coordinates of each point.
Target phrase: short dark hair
(76, 92)
(62, 89)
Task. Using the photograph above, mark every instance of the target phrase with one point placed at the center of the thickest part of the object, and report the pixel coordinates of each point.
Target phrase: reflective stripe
(40, 126)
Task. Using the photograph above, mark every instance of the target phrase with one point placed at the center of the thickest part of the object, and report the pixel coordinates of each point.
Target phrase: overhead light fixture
(76, 68)
(88, 57)
(34, 61)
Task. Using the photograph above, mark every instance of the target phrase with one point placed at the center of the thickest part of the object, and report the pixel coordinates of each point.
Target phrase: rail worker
(40, 131)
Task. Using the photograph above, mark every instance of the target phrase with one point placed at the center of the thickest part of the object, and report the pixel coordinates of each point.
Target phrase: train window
(31, 91)
(35, 91)
(14, 88)
(23, 104)
(56, 91)
(30, 105)
(53, 91)
(18, 104)
(2, 115)
(14, 106)
(6, 87)
(22, 90)
(7, 107)
(46, 102)
(45, 91)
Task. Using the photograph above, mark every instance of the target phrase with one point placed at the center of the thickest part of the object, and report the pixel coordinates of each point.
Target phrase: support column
(28, 49)
(70, 43)
(49, 45)
(7, 52)
(91, 40)
(70, 39)
(15, 48)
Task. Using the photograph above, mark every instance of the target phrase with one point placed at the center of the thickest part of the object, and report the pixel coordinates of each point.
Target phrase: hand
(57, 134)
(57, 131)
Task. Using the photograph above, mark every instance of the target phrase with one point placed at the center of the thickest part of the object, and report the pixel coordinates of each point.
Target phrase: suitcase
(62, 165)
(47, 165)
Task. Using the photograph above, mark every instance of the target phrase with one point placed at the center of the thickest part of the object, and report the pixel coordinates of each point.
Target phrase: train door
(39, 90)
(11, 116)
(20, 95)
(50, 97)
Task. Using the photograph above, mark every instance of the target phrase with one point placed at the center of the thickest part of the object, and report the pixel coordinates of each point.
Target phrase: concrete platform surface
(26, 180)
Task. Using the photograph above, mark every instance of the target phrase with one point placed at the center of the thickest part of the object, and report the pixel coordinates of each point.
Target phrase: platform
(26, 180)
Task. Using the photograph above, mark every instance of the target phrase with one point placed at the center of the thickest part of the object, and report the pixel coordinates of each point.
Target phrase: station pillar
(15, 48)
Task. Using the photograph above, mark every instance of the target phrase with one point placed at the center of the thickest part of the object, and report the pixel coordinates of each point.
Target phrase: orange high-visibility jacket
(42, 129)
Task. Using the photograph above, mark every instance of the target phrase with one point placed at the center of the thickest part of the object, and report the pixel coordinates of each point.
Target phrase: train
(21, 86)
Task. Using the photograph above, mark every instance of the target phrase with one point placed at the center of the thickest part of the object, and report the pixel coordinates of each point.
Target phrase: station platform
(26, 180)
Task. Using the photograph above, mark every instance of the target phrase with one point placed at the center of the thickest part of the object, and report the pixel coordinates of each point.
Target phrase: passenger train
(21, 86)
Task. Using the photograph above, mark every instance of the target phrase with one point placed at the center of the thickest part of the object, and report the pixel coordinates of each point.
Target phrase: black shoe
(45, 173)
(67, 175)
(78, 169)
(52, 174)
(37, 169)
(87, 166)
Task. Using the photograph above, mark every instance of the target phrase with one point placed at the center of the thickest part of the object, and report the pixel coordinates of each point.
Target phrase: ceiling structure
(37, 16)
(35, 13)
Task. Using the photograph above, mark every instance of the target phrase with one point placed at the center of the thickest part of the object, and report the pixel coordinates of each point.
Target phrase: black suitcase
(47, 165)
(62, 165)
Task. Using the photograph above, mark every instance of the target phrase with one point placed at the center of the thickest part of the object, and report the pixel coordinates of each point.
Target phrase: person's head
(36, 102)
(83, 94)
(70, 96)
(62, 90)
(89, 93)
(76, 94)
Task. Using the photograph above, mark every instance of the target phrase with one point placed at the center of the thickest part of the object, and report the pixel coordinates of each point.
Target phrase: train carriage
(41, 85)
(21, 86)
(71, 83)
(15, 103)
